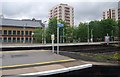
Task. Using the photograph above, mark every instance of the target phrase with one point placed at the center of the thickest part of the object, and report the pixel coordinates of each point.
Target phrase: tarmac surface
(24, 58)
(44, 69)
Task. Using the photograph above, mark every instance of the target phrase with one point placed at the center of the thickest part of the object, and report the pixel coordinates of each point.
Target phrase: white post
(53, 46)
(32, 37)
(52, 38)
(57, 40)
(91, 35)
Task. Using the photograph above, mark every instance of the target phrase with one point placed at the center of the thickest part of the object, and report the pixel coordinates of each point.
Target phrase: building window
(5, 32)
(18, 39)
(30, 33)
(14, 39)
(0, 32)
(18, 32)
(22, 32)
(0, 40)
(22, 39)
(9, 32)
(26, 32)
(5, 39)
(30, 39)
(14, 32)
(60, 6)
(26, 40)
(9, 39)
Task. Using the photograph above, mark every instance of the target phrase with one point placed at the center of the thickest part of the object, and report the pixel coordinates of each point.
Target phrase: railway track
(91, 49)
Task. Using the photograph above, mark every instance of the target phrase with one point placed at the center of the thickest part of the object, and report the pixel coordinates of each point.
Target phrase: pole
(32, 37)
(112, 36)
(63, 35)
(53, 46)
(44, 35)
(88, 34)
(44, 32)
(91, 35)
(52, 38)
(57, 40)
(24, 34)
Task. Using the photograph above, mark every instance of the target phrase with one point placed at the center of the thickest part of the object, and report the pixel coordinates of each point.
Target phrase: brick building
(17, 31)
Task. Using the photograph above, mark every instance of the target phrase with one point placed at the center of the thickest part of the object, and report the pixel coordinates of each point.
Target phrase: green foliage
(69, 34)
(104, 27)
(119, 30)
(113, 57)
(82, 32)
(99, 29)
(52, 29)
(108, 25)
(38, 35)
(116, 56)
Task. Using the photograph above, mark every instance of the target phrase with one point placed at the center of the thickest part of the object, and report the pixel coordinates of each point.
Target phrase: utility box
(107, 39)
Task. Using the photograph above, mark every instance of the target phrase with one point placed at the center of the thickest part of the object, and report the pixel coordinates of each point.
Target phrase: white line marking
(63, 70)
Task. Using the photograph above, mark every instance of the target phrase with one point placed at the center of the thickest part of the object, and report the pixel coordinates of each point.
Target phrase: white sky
(84, 10)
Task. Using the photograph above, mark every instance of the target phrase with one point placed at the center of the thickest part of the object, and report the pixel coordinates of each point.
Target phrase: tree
(108, 25)
(52, 29)
(69, 34)
(97, 30)
(38, 35)
(82, 32)
(119, 31)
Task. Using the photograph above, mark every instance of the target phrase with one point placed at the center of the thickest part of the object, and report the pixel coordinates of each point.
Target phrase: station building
(18, 31)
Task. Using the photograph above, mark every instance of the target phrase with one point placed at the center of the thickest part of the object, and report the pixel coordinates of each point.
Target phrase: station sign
(60, 25)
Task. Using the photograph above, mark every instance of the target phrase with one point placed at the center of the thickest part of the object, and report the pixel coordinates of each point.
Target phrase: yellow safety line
(23, 65)
(24, 51)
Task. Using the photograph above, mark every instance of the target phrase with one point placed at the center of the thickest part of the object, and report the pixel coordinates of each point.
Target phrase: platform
(37, 62)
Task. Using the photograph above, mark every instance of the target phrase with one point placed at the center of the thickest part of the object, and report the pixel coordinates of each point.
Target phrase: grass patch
(115, 56)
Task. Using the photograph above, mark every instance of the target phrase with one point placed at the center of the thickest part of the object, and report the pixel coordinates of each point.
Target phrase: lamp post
(91, 35)
(53, 38)
(88, 34)
(44, 32)
(58, 26)
(112, 36)
(57, 40)
(32, 37)
(42, 37)
(63, 36)
(24, 32)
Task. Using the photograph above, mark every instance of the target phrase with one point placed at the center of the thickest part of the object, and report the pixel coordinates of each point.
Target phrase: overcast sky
(84, 10)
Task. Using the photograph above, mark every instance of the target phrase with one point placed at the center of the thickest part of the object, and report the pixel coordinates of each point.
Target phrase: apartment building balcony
(67, 10)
